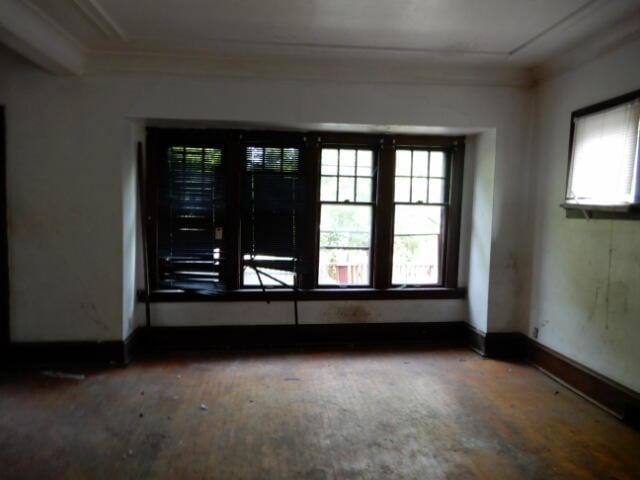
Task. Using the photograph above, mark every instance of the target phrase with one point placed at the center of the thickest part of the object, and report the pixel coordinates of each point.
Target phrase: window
(420, 202)
(346, 217)
(254, 215)
(271, 217)
(603, 168)
(189, 251)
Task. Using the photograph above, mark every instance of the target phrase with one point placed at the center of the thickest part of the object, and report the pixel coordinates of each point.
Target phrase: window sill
(310, 295)
(602, 212)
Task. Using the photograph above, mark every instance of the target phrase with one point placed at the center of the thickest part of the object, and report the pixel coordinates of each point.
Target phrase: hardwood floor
(411, 414)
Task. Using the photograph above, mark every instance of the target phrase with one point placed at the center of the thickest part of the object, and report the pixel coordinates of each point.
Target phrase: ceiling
(514, 33)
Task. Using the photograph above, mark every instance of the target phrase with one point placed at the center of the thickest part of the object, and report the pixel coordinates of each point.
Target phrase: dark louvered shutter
(273, 209)
(192, 203)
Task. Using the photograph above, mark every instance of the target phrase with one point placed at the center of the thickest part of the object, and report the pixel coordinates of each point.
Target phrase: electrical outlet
(535, 332)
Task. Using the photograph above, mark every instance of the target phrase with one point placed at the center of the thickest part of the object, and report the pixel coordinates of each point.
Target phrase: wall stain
(608, 290)
(352, 314)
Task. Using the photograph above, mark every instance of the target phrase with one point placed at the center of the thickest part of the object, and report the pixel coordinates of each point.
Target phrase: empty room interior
(320, 239)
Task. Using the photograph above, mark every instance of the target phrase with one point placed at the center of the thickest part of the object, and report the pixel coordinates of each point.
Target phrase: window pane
(420, 163)
(416, 245)
(436, 191)
(329, 161)
(328, 189)
(250, 277)
(365, 163)
(343, 267)
(437, 165)
(346, 189)
(273, 159)
(416, 260)
(348, 162)
(403, 163)
(364, 190)
(417, 219)
(402, 189)
(290, 159)
(345, 242)
(419, 190)
(255, 157)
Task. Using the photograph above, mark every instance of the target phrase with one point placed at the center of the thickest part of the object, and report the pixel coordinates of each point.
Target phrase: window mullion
(312, 152)
(235, 155)
(383, 225)
(453, 215)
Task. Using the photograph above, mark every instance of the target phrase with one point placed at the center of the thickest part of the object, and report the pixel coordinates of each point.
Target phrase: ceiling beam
(31, 33)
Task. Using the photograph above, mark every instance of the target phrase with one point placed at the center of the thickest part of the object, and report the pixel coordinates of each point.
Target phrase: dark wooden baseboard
(284, 336)
(496, 344)
(47, 354)
(38, 354)
(620, 400)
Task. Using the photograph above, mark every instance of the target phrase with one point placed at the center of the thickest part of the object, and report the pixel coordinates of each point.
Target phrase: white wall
(71, 192)
(480, 184)
(585, 275)
(132, 261)
(309, 312)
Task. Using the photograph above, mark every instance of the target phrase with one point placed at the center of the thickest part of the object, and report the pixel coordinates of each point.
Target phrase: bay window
(257, 215)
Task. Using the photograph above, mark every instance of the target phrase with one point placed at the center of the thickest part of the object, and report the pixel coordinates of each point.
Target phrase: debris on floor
(178, 376)
(203, 407)
(63, 375)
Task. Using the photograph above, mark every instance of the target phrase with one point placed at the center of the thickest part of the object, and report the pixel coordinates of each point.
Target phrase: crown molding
(596, 45)
(34, 35)
(99, 17)
(311, 69)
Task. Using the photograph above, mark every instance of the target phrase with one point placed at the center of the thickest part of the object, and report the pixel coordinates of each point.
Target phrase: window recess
(603, 175)
(258, 215)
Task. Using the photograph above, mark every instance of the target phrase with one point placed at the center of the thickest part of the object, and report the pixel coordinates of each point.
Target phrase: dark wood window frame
(373, 204)
(625, 212)
(233, 144)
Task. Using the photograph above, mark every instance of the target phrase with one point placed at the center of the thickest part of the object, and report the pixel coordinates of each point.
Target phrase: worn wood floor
(418, 414)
